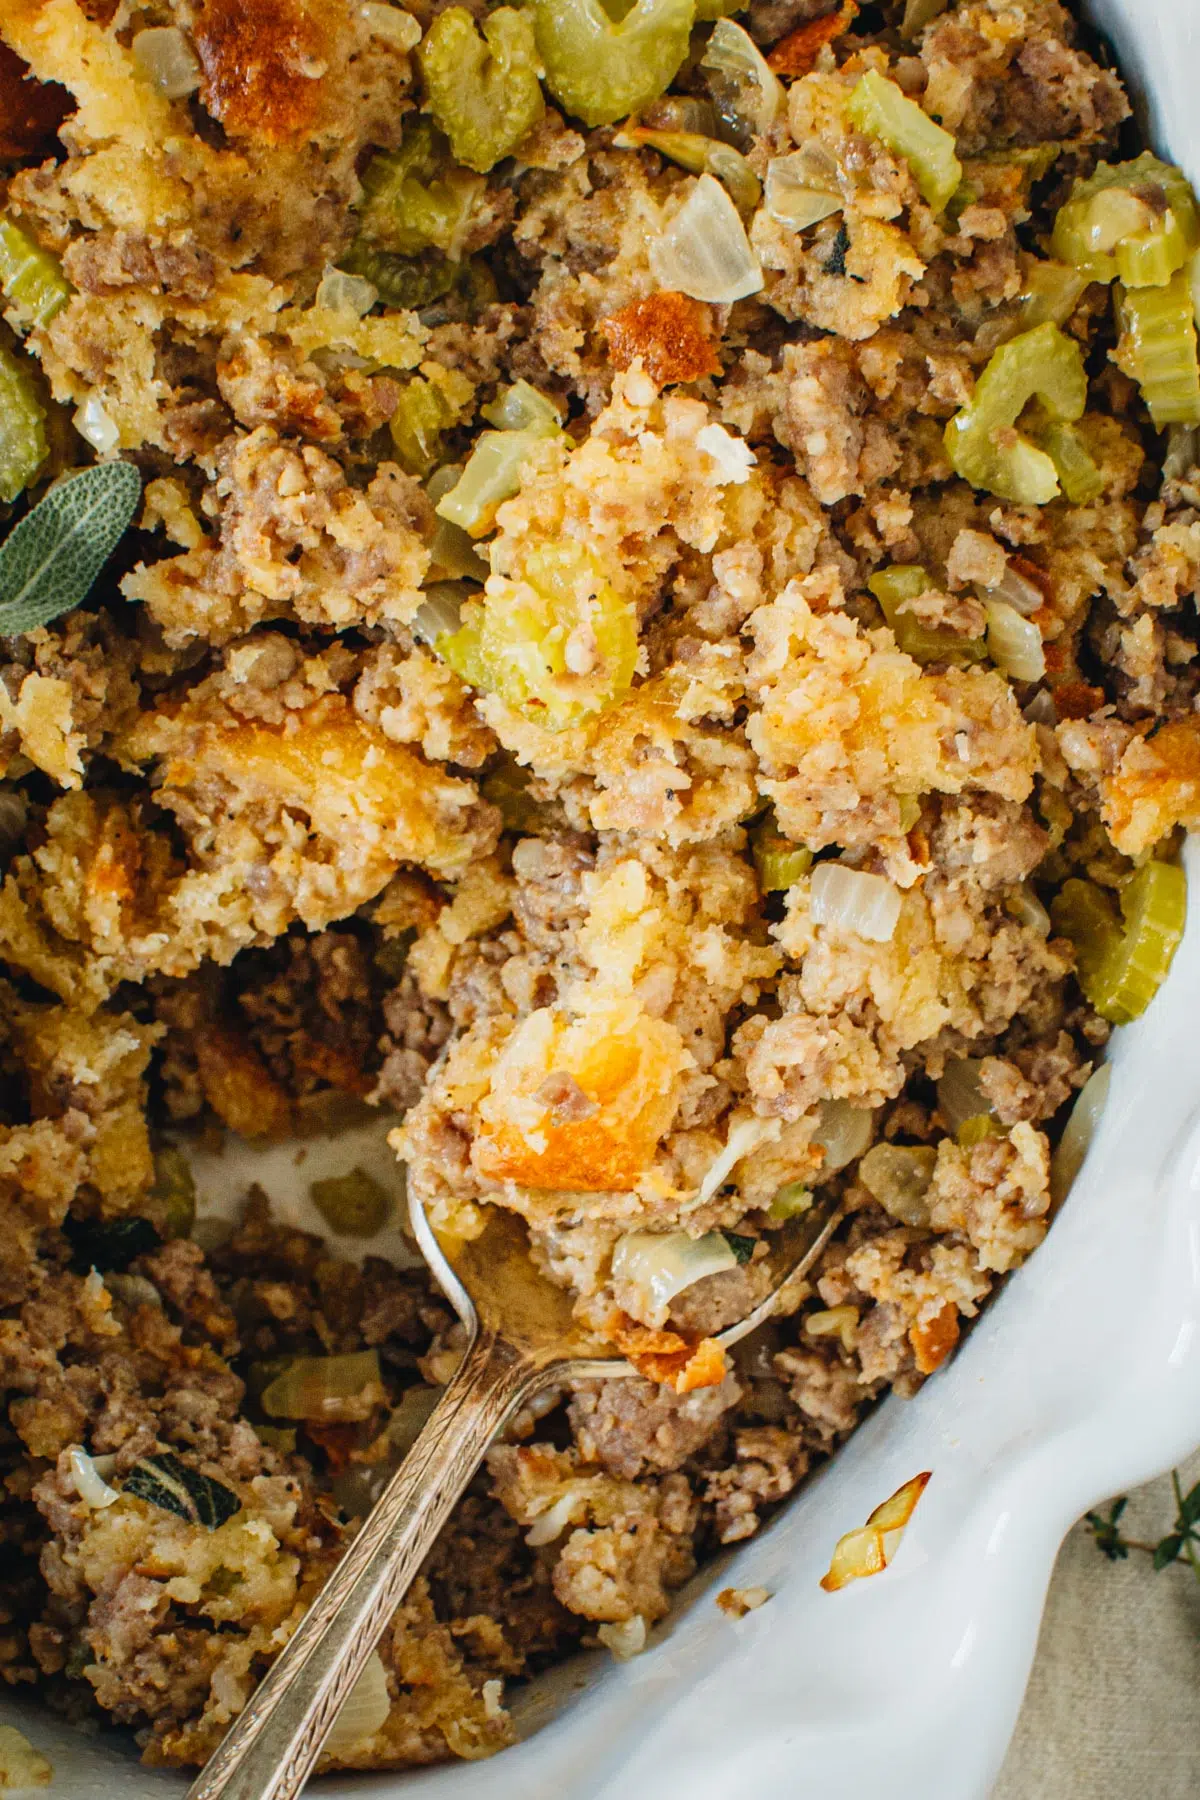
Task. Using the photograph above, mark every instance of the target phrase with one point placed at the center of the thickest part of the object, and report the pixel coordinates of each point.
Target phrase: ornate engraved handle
(270, 1750)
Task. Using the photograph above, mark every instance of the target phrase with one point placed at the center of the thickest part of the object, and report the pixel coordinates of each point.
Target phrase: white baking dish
(1083, 1378)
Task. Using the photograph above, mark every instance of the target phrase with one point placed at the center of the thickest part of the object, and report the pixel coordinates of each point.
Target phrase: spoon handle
(270, 1750)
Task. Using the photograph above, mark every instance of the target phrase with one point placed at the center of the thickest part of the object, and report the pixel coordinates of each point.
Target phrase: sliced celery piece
(1158, 348)
(793, 1199)
(877, 106)
(415, 198)
(421, 416)
(521, 408)
(779, 862)
(23, 447)
(483, 90)
(30, 278)
(980, 443)
(908, 581)
(602, 70)
(702, 156)
(1135, 221)
(977, 1129)
(1050, 291)
(1077, 473)
(1122, 961)
(519, 641)
(492, 474)
(405, 281)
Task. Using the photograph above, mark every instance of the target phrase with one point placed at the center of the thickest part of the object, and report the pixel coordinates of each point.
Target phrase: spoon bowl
(522, 1334)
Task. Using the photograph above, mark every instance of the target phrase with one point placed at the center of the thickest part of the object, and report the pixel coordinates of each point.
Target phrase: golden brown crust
(263, 63)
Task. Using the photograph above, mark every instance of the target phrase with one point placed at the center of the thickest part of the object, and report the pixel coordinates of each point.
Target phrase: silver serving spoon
(522, 1336)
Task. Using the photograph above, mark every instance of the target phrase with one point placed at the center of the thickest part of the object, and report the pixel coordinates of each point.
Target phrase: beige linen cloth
(1113, 1706)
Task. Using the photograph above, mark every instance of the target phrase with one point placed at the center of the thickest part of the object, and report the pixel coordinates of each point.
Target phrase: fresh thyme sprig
(1181, 1544)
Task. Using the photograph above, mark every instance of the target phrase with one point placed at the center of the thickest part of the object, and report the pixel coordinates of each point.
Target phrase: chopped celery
(1050, 292)
(1077, 473)
(908, 581)
(1158, 348)
(23, 447)
(1122, 962)
(791, 1202)
(779, 862)
(492, 474)
(701, 155)
(601, 69)
(977, 1129)
(980, 442)
(30, 278)
(174, 1193)
(451, 553)
(559, 646)
(1135, 221)
(415, 198)
(521, 408)
(483, 91)
(421, 416)
(878, 107)
(406, 281)
(353, 1205)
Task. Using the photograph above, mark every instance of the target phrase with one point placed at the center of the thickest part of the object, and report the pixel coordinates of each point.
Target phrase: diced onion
(90, 1485)
(133, 1290)
(657, 1265)
(1027, 909)
(1014, 644)
(960, 1094)
(346, 293)
(167, 60)
(732, 455)
(363, 1712)
(704, 251)
(836, 1321)
(733, 52)
(441, 610)
(626, 1639)
(872, 1547)
(549, 1525)
(329, 1389)
(849, 900)
(1022, 594)
(898, 1176)
(1080, 1129)
(843, 1133)
(93, 423)
(391, 22)
(743, 1138)
(1183, 446)
(802, 188)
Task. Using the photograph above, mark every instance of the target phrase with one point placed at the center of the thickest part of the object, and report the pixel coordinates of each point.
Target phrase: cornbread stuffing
(657, 652)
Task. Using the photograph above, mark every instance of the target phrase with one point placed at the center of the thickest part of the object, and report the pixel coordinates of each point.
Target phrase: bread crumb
(737, 1602)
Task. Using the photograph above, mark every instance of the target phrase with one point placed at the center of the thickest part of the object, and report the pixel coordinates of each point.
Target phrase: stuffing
(494, 733)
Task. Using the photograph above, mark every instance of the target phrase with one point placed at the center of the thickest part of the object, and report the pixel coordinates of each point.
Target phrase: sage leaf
(50, 559)
(166, 1482)
(742, 1247)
